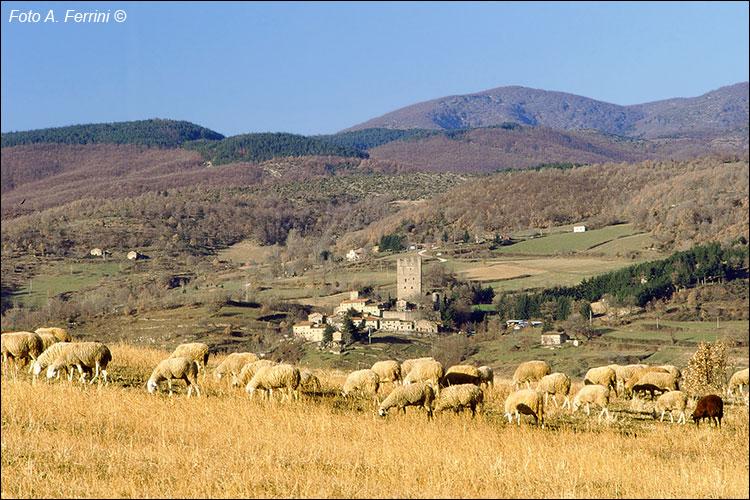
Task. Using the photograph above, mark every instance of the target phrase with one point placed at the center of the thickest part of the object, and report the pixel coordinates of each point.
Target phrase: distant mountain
(153, 132)
(710, 114)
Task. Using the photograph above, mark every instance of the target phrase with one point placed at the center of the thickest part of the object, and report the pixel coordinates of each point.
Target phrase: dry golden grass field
(66, 440)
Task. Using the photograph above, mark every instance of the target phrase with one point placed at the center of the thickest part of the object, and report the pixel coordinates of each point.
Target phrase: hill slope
(722, 109)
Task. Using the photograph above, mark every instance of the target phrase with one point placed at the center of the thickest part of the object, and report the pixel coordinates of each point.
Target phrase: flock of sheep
(421, 382)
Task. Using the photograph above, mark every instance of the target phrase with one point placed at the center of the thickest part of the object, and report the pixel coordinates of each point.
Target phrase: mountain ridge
(717, 110)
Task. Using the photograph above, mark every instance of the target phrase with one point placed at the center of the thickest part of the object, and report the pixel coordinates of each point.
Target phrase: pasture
(62, 439)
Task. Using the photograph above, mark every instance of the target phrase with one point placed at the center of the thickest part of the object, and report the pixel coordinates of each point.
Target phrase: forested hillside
(260, 147)
(680, 203)
(154, 132)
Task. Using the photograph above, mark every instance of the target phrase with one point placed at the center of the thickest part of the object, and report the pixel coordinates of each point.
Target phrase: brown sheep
(710, 407)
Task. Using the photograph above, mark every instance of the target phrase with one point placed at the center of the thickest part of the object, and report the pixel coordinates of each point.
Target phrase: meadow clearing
(62, 439)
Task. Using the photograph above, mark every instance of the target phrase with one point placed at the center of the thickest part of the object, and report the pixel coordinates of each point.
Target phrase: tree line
(154, 132)
(264, 146)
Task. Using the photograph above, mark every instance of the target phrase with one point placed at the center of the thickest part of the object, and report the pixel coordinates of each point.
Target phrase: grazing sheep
(642, 372)
(284, 377)
(362, 381)
(308, 382)
(738, 381)
(408, 364)
(233, 363)
(555, 383)
(178, 369)
(85, 356)
(388, 371)
(625, 372)
(602, 375)
(526, 401)
(651, 382)
(671, 369)
(426, 371)
(530, 371)
(461, 374)
(49, 355)
(710, 407)
(458, 397)
(47, 340)
(596, 394)
(420, 395)
(486, 375)
(197, 351)
(674, 401)
(26, 346)
(60, 333)
(249, 370)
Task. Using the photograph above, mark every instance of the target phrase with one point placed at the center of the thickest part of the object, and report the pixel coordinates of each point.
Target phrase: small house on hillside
(580, 229)
(557, 338)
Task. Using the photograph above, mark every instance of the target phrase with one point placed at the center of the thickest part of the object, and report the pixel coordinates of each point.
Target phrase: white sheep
(388, 371)
(47, 340)
(233, 363)
(308, 381)
(530, 371)
(635, 377)
(526, 401)
(461, 374)
(738, 381)
(85, 356)
(284, 377)
(26, 346)
(625, 372)
(458, 397)
(555, 383)
(49, 355)
(592, 394)
(175, 369)
(486, 375)
(249, 370)
(674, 401)
(602, 375)
(197, 351)
(60, 333)
(672, 369)
(408, 364)
(362, 381)
(420, 395)
(426, 371)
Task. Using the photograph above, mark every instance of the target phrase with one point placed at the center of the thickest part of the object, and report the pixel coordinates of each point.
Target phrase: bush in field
(706, 370)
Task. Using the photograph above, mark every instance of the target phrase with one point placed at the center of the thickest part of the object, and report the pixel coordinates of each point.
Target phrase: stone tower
(409, 278)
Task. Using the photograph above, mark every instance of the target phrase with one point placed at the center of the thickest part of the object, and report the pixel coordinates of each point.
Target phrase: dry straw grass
(64, 440)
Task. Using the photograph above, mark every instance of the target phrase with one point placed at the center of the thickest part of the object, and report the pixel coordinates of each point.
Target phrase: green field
(62, 278)
(557, 242)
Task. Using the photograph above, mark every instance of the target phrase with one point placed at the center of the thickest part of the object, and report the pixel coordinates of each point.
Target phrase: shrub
(706, 370)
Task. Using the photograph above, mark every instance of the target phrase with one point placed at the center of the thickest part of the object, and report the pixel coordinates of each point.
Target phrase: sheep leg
(682, 417)
(169, 383)
(671, 417)
(546, 396)
(190, 389)
(602, 412)
(518, 418)
(554, 400)
(96, 373)
(567, 401)
(588, 411)
(662, 415)
(510, 417)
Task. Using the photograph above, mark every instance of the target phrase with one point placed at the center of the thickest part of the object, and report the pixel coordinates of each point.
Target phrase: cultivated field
(61, 439)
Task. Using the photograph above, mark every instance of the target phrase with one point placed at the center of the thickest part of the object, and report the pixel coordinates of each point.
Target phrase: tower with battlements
(408, 278)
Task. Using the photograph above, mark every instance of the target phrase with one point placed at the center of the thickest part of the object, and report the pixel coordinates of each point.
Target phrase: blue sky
(320, 67)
